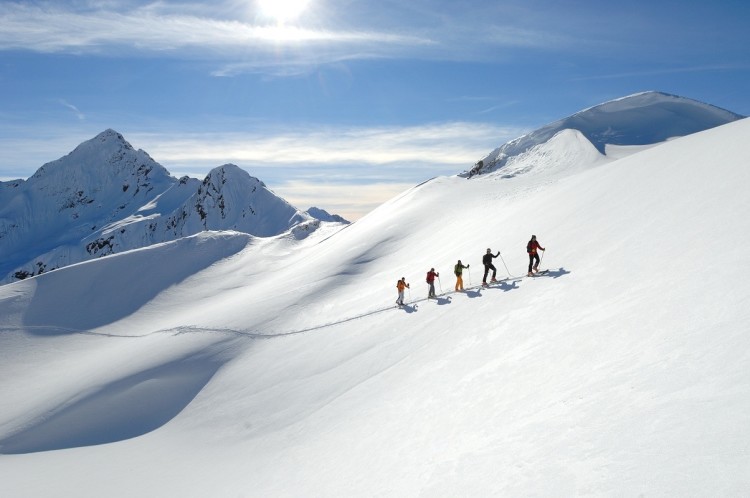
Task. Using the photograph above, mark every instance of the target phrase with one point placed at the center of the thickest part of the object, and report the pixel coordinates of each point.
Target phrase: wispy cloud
(492, 104)
(446, 144)
(240, 43)
(666, 71)
(73, 108)
(427, 147)
(54, 29)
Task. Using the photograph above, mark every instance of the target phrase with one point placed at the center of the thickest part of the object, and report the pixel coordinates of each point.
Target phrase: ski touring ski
(407, 306)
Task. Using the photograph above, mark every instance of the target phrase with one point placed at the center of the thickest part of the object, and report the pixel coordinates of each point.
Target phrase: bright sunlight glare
(282, 11)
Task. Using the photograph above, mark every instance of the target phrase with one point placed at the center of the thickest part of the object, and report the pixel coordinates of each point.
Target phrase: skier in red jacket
(431, 282)
(531, 249)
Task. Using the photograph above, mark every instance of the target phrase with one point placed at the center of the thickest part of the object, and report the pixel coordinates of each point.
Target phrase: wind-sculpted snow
(567, 152)
(640, 119)
(323, 215)
(75, 299)
(116, 410)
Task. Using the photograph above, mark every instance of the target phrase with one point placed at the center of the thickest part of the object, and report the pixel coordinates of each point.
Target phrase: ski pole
(506, 266)
(542, 259)
(440, 285)
(469, 276)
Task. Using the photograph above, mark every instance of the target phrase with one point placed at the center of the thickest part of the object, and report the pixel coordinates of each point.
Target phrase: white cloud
(427, 147)
(447, 144)
(242, 44)
(73, 108)
(52, 29)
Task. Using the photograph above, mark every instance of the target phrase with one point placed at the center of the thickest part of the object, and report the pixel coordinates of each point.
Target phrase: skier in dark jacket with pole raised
(487, 262)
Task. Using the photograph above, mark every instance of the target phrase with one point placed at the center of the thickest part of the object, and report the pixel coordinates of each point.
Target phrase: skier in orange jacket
(400, 286)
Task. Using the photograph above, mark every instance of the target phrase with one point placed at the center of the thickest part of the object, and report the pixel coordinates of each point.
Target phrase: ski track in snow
(500, 284)
(504, 284)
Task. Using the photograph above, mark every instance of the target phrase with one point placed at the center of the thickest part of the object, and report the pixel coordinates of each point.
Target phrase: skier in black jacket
(487, 262)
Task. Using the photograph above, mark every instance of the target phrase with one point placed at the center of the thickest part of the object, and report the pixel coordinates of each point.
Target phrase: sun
(282, 11)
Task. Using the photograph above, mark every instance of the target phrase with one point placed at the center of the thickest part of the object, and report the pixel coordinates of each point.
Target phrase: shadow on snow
(122, 409)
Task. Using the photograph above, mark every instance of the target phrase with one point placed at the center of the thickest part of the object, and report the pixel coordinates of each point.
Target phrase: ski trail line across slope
(443, 298)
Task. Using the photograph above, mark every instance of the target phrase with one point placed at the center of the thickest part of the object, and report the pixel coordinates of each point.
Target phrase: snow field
(621, 373)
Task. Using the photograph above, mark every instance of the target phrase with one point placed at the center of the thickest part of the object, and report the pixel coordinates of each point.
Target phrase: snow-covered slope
(640, 119)
(323, 215)
(280, 367)
(106, 197)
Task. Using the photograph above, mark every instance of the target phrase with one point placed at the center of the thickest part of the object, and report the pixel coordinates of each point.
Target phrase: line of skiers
(532, 249)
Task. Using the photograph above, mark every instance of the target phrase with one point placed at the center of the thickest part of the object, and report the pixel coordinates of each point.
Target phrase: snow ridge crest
(643, 118)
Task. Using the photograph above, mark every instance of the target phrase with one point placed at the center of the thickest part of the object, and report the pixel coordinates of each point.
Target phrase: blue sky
(342, 103)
